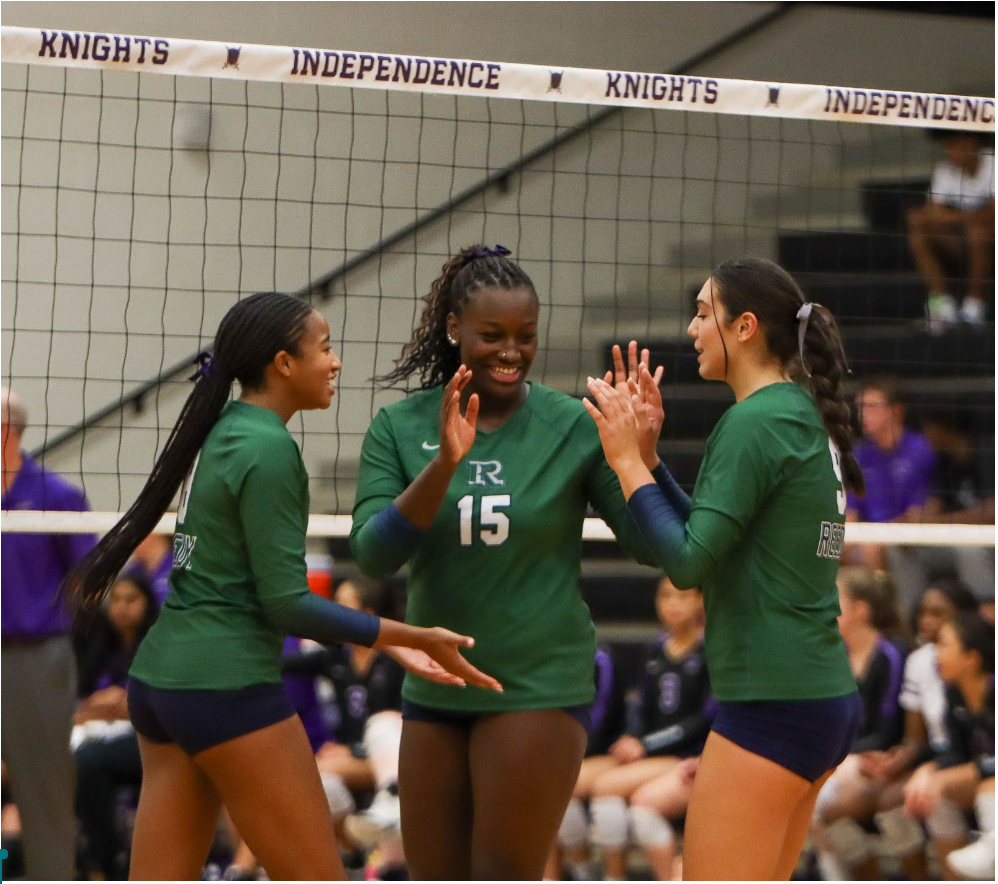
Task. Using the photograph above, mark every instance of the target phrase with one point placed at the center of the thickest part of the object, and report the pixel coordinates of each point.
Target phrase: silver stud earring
(451, 341)
(502, 355)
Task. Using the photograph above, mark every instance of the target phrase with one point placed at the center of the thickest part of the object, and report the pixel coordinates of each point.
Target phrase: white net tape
(595, 529)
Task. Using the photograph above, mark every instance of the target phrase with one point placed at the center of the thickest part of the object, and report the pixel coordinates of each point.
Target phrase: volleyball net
(149, 183)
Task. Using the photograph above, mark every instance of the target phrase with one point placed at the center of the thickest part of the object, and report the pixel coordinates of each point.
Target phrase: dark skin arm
(420, 502)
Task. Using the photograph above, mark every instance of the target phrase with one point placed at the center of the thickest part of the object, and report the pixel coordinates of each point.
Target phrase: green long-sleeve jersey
(239, 559)
(501, 560)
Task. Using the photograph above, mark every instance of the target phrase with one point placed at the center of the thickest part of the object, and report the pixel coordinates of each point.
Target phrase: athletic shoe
(942, 312)
(382, 821)
(972, 311)
(975, 862)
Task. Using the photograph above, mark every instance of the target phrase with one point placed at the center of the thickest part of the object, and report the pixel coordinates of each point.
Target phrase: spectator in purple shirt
(38, 667)
(899, 466)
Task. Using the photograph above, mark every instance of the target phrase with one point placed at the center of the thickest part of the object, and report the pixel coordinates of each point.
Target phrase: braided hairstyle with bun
(249, 336)
(755, 285)
(429, 354)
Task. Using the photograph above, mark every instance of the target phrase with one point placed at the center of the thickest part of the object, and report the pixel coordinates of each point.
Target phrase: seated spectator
(366, 728)
(153, 557)
(963, 493)
(104, 743)
(301, 688)
(668, 726)
(869, 618)
(960, 209)
(962, 775)
(606, 723)
(924, 703)
(898, 465)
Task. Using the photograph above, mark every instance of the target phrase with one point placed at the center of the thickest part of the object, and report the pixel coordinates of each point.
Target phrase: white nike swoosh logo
(428, 447)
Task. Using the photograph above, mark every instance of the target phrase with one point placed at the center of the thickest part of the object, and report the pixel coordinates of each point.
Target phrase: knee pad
(947, 821)
(849, 842)
(650, 828)
(337, 795)
(383, 730)
(574, 827)
(609, 826)
(902, 834)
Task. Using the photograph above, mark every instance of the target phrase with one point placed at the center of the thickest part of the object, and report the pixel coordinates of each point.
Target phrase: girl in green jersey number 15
(762, 536)
(205, 695)
(481, 482)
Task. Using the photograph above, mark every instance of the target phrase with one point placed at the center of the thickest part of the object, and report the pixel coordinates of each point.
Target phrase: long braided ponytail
(249, 336)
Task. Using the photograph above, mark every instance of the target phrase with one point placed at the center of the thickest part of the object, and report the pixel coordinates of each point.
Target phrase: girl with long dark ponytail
(213, 720)
(762, 535)
(248, 338)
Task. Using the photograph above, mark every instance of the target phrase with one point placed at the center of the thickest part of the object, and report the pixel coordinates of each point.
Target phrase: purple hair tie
(204, 361)
(486, 252)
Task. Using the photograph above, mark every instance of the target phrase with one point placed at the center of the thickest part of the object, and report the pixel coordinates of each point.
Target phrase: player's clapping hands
(457, 431)
(638, 379)
(621, 423)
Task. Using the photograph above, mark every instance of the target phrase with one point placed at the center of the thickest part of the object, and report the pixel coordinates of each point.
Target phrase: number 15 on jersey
(493, 523)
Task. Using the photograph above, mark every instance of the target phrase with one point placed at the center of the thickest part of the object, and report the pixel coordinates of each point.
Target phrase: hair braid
(826, 362)
(429, 354)
(759, 286)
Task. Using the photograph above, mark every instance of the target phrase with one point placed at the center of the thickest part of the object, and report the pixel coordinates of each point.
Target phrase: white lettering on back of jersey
(830, 540)
(183, 547)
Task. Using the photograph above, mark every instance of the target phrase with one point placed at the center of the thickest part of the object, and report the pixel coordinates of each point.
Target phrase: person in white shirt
(960, 207)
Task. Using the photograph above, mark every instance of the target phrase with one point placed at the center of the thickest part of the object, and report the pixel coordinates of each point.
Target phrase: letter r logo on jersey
(485, 472)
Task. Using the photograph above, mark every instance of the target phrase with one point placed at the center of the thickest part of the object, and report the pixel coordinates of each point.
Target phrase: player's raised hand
(615, 419)
(457, 431)
(638, 379)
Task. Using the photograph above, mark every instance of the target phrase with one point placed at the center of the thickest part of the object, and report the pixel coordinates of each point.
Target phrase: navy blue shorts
(416, 712)
(807, 737)
(197, 720)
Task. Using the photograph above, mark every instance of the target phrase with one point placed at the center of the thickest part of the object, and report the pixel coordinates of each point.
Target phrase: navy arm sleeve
(311, 616)
(381, 539)
(744, 459)
(687, 549)
(273, 510)
(679, 499)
